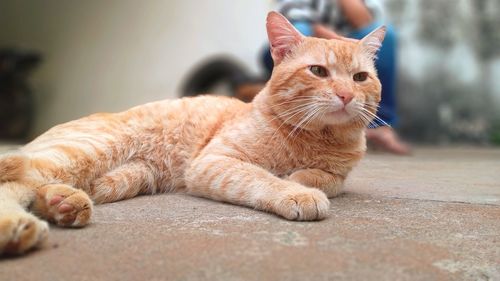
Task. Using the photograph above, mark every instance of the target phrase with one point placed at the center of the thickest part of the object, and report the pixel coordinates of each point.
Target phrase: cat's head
(318, 82)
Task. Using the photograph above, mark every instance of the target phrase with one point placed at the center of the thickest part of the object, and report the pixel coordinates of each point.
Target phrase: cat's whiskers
(302, 109)
(375, 117)
(368, 116)
(304, 102)
(373, 107)
(293, 110)
(306, 112)
(304, 122)
(363, 117)
(308, 119)
(291, 101)
(365, 120)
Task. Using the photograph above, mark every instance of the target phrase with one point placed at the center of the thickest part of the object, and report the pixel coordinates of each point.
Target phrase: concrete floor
(432, 216)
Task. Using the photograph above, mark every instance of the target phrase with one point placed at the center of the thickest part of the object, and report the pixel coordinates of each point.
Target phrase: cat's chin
(338, 117)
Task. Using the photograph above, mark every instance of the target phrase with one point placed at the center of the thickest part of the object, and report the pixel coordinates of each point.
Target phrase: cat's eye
(360, 76)
(318, 70)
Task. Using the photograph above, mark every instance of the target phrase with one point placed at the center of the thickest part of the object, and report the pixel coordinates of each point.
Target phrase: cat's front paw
(304, 204)
(329, 183)
(63, 205)
(20, 232)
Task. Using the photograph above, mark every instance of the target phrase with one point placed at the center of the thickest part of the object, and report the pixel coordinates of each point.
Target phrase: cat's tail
(13, 166)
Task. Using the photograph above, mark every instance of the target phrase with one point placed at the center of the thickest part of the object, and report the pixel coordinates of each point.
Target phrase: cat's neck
(341, 133)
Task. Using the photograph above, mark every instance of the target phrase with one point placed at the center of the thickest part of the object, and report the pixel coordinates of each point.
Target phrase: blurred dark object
(226, 76)
(16, 98)
(222, 75)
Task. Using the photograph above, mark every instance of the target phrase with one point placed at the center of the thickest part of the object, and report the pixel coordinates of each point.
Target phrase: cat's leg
(232, 180)
(328, 183)
(125, 181)
(63, 205)
(20, 231)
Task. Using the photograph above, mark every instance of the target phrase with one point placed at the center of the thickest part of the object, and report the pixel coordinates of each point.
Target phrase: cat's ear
(372, 42)
(282, 36)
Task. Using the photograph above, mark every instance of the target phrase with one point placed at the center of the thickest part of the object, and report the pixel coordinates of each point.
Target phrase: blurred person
(334, 19)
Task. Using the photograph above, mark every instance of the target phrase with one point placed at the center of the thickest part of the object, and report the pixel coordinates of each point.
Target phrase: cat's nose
(345, 96)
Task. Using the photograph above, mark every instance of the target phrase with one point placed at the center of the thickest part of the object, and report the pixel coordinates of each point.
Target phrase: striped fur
(284, 153)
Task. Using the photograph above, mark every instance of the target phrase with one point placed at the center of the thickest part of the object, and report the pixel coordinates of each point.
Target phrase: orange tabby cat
(284, 153)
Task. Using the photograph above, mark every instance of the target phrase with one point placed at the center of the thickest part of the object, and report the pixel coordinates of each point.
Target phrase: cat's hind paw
(305, 204)
(21, 232)
(63, 205)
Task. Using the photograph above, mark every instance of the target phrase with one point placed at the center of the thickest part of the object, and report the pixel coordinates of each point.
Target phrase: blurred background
(60, 60)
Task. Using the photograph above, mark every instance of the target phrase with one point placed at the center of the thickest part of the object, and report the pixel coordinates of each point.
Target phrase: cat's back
(190, 114)
(184, 116)
(188, 123)
(181, 128)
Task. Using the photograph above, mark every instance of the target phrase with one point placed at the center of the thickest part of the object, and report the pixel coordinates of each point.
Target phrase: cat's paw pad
(64, 205)
(20, 232)
(305, 205)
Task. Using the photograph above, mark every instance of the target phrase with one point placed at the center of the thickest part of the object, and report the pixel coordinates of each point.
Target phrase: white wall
(110, 55)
